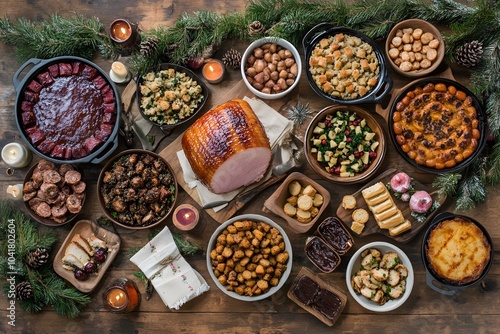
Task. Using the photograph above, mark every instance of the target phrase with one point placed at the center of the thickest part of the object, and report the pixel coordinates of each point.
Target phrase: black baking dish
(442, 285)
(100, 134)
(481, 114)
(168, 128)
(324, 30)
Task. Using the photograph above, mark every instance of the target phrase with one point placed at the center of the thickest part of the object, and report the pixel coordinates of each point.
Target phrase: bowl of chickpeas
(414, 48)
(249, 257)
(271, 67)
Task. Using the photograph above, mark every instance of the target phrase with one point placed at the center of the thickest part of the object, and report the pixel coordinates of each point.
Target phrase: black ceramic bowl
(438, 283)
(168, 128)
(482, 127)
(325, 30)
(67, 80)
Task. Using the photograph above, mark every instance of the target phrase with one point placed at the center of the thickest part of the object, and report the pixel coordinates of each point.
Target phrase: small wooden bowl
(277, 201)
(426, 27)
(319, 167)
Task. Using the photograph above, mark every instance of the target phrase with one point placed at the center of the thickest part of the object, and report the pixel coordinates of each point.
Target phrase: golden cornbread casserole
(458, 251)
(436, 125)
(344, 66)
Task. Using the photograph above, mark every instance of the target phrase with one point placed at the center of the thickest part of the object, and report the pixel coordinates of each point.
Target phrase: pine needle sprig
(57, 36)
(446, 184)
(48, 288)
(493, 177)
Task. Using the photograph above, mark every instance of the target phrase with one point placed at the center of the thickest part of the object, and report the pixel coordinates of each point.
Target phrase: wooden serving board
(170, 154)
(87, 228)
(372, 226)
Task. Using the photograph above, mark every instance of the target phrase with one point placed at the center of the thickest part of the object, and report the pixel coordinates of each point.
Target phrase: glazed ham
(227, 147)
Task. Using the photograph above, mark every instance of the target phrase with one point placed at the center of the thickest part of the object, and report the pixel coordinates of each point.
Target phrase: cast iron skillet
(483, 126)
(439, 284)
(168, 128)
(40, 66)
(323, 30)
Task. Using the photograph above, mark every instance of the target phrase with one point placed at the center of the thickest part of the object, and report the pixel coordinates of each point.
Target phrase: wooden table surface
(474, 310)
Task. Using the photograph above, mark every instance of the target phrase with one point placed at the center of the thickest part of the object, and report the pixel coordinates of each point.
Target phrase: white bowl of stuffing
(414, 48)
(271, 67)
(380, 277)
(236, 262)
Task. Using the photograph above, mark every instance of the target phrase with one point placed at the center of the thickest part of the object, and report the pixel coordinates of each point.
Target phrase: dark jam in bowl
(336, 235)
(322, 255)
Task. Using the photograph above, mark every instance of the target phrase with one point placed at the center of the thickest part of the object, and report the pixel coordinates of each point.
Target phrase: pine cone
(469, 54)
(232, 59)
(24, 291)
(38, 257)
(255, 28)
(149, 46)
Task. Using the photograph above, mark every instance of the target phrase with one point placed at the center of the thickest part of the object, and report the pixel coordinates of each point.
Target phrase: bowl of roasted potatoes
(249, 257)
(380, 277)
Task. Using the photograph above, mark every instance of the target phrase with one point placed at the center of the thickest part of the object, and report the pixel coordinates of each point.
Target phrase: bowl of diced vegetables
(345, 144)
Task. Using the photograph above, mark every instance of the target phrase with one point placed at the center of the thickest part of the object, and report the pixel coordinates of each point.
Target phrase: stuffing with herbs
(380, 278)
(344, 66)
(138, 189)
(169, 96)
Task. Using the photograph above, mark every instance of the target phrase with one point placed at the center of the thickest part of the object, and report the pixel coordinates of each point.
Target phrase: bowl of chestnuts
(271, 67)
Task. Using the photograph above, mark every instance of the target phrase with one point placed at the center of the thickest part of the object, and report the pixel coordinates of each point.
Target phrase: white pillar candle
(16, 155)
(16, 191)
(118, 72)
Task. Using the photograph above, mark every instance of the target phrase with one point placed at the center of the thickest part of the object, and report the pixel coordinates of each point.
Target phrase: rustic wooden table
(474, 310)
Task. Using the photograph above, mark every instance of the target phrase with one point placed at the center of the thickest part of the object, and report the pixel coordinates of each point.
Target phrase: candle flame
(13, 153)
(211, 68)
(123, 30)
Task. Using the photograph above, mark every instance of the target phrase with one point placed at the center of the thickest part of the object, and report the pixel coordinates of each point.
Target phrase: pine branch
(54, 37)
(446, 184)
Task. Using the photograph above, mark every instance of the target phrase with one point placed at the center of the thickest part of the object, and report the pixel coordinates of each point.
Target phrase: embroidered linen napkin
(277, 129)
(175, 281)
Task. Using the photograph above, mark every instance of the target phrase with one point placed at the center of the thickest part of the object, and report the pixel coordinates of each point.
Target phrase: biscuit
(349, 202)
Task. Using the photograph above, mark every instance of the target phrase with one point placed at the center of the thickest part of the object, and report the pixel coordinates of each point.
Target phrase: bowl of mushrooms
(249, 257)
(380, 277)
(271, 67)
(414, 48)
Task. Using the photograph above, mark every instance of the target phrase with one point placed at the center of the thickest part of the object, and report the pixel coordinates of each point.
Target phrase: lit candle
(16, 191)
(185, 217)
(118, 72)
(122, 296)
(117, 299)
(16, 155)
(120, 30)
(213, 71)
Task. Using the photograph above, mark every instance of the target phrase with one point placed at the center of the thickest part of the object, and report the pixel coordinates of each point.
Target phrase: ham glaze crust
(227, 147)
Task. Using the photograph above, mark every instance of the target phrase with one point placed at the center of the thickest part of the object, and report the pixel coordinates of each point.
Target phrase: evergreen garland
(192, 34)
(48, 288)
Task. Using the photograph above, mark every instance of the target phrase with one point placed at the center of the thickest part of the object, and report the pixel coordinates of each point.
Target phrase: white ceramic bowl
(286, 45)
(256, 218)
(354, 265)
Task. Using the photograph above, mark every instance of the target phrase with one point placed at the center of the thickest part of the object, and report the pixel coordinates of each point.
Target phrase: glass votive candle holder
(123, 33)
(186, 217)
(213, 71)
(122, 296)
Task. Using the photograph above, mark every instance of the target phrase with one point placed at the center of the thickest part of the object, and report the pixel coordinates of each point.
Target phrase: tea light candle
(120, 31)
(16, 155)
(16, 191)
(185, 217)
(118, 72)
(117, 298)
(122, 296)
(213, 71)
